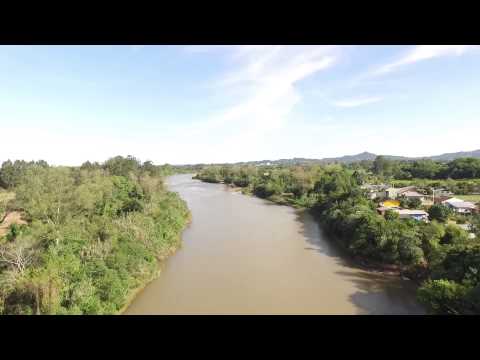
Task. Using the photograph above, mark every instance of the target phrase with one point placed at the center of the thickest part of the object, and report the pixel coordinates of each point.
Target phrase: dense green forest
(439, 255)
(461, 176)
(92, 235)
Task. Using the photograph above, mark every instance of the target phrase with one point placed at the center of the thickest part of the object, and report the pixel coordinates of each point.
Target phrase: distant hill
(364, 156)
(453, 156)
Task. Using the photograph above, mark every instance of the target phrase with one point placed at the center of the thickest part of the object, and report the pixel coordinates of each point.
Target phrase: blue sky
(192, 104)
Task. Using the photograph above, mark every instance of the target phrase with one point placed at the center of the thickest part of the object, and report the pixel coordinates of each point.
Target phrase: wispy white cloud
(423, 52)
(347, 103)
(266, 80)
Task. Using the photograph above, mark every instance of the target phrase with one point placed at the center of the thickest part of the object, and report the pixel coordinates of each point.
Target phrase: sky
(210, 104)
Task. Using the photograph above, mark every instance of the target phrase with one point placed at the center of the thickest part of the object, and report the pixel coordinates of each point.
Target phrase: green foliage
(439, 212)
(391, 215)
(382, 166)
(464, 168)
(410, 203)
(5, 199)
(121, 166)
(454, 235)
(92, 237)
(443, 296)
(11, 173)
(442, 255)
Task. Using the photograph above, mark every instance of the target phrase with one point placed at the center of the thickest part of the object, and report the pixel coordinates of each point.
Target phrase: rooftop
(412, 194)
(463, 205)
(411, 212)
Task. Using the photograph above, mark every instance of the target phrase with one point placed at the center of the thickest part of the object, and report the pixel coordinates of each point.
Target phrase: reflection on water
(244, 255)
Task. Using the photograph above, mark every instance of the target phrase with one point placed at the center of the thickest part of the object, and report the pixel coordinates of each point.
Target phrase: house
(412, 214)
(460, 206)
(394, 193)
(390, 203)
(442, 193)
(451, 200)
(405, 213)
(411, 194)
(440, 199)
(375, 191)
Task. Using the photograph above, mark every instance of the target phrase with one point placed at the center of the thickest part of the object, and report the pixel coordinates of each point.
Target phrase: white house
(412, 214)
(460, 206)
(394, 193)
(451, 200)
(375, 191)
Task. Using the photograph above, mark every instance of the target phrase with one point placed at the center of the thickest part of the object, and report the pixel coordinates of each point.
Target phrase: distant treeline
(94, 234)
(460, 176)
(441, 255)
(462, 168)
(11, 172)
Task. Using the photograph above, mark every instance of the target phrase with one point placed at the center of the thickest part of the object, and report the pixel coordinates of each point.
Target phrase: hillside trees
(91, 239)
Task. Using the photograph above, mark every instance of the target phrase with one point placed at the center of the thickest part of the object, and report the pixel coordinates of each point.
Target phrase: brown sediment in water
(245, 255)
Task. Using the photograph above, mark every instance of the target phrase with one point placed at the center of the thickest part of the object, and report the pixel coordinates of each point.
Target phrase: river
(245, 255)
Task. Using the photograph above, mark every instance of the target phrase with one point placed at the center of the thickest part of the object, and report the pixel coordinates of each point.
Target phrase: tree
(410, 203)
(443, 296)
(91, 238)
(454, 235)
(121, 166)
(464, 168)
(430, 235)
(425, 169)
(391, 215)
(382, 166)
(439, 212)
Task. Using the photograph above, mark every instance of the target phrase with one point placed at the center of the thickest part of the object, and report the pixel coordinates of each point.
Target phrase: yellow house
(391, 203)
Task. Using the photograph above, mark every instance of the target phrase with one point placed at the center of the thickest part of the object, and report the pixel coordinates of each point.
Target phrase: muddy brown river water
(244, 255)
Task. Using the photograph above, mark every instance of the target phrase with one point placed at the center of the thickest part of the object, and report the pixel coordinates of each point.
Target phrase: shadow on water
(314, 235)
(377, 293)
(373, 292)
(382, 294)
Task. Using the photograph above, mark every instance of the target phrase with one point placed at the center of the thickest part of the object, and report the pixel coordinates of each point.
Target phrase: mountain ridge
(363, 156)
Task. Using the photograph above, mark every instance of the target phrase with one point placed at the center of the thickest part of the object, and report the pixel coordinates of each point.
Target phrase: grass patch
(472, 198)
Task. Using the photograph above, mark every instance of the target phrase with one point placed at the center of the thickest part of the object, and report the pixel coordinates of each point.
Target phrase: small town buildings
(412, 214)
(411, 194)
(451, 200)
(394, 193)
(443, 193)
(425, 200)
(460, 206)
(440, 199)
(390, 203)
(375, 191)
(419, 215)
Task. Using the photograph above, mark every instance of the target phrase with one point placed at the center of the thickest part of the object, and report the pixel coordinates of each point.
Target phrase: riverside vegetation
(438, 255)
(93, 235)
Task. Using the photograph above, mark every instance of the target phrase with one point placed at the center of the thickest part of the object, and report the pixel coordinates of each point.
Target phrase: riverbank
(161, 261)
(242, 255)
(357, 261)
